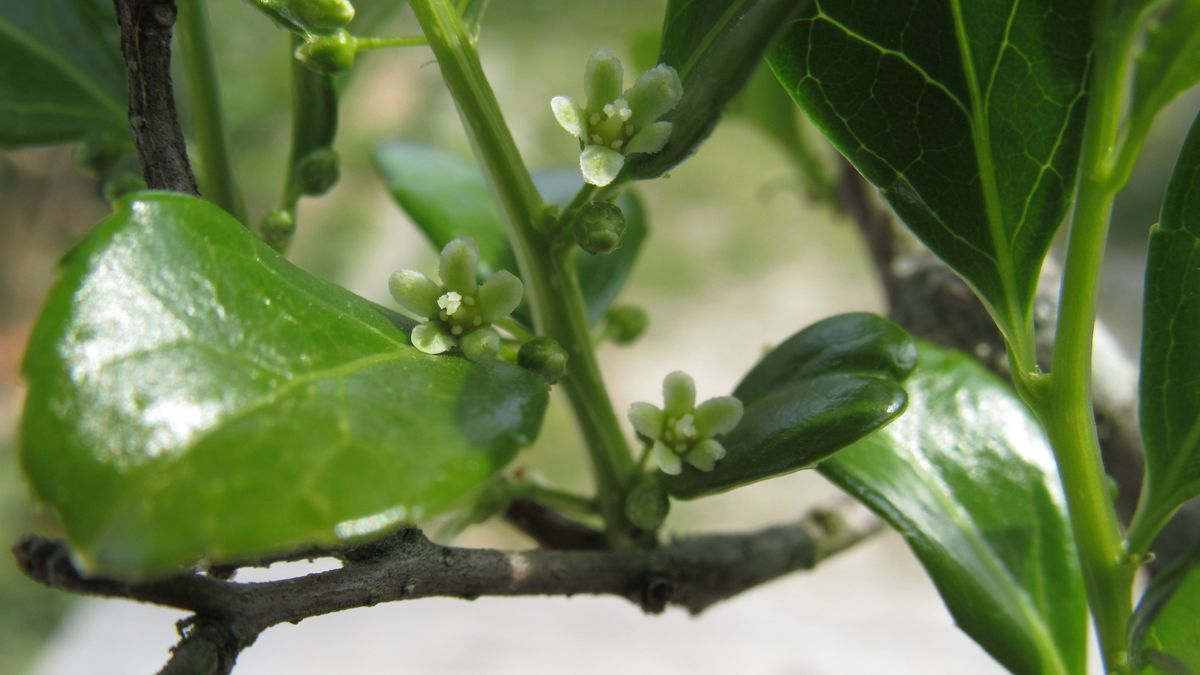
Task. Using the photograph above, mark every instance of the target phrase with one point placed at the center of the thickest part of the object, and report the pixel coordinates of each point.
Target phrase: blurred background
(738, 258)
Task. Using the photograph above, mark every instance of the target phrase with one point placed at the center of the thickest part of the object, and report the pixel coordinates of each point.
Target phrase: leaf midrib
(982, 142)
(711, 36)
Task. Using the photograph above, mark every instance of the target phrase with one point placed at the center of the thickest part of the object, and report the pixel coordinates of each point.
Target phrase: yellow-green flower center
(459, 313)
(679, 433)
(607, 127)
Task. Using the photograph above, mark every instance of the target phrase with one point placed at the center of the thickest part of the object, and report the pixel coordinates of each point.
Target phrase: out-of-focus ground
(737, 259)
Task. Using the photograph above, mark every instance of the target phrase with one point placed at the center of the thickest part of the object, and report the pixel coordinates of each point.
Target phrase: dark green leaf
(715, 46)
(1165, 634)
(969, 480)
(1169, 396)
(968, 116)
(447, 197)
(822, 389)
(1168, 62)
(61, 74)
(193, 397)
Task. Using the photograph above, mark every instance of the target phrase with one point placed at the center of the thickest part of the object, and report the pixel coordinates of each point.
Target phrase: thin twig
(692, 573)
(146, 45)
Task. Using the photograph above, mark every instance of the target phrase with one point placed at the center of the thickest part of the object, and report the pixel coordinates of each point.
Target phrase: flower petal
(647, 419)
(650, 139)
(602, 79)
(655, 93)
(666, 459)
(718, 415)
(569, 115)
(679, 394)
(459, 262)
(481, 344)
(600, 165)
(429, 339)
(500, 295)
(713, 448)
(701, 457)
(415, 292)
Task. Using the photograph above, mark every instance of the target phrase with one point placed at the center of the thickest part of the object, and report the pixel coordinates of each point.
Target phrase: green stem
(204, 92)
(1066, 411)
(550, 284)
(314, 121)
(363, 44)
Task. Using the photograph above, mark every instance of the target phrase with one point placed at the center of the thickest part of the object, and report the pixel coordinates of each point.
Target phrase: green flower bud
(624, 324)
(318, 171)
(277, 228)
(544, 356)
(322, 15)
(599, 227)
(121, 185)
(99, 155)
(647, 505)
(328, 54)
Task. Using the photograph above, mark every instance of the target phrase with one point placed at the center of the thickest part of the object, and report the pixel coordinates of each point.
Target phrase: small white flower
(614, 124)
(681, 431)
(459, 312)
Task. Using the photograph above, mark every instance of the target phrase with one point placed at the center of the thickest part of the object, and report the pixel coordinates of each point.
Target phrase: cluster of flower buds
(328, 48)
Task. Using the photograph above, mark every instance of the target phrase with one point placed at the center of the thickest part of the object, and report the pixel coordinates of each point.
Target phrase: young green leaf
(447, 197)
(968, 116)
(1165, 632)
(1169, 398)
(968, 478)
(715, 46)
(61, 74)
(1168, 61)
(821, 390)
(193, 397)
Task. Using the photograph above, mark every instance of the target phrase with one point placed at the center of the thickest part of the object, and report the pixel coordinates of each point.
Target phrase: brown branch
(146, 45)
(934, 304)
(692, 573)
(552, 530)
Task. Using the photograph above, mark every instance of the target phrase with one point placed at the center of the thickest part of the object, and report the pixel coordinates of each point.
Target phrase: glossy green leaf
(1168, 60)
(61, 74)
(193, 398)
(447, 197)
(715, 45)
(1165, 632)
(1169, 396)
(821, 390)
(967, 477)
(968, 116)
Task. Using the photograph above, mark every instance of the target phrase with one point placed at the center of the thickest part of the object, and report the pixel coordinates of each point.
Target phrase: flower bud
(544, 356)
(322, 15)
(277, 228)
(122, 184)
(318, 171)
(647, 505)
(599, 227)
(99, 155)
(328, 54)
(624, 324)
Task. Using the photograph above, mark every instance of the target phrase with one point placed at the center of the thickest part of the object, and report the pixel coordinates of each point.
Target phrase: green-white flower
(615, 124)
(459, 312)
(682, 431)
